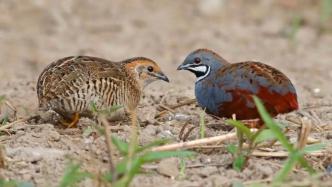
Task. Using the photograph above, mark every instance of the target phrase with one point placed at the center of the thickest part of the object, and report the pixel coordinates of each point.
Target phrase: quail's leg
(73, 122)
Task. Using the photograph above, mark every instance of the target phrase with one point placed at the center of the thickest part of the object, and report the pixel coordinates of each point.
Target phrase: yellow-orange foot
(73, 122)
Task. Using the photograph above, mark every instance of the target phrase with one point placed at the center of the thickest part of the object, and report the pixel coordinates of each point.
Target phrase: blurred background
(293, 35)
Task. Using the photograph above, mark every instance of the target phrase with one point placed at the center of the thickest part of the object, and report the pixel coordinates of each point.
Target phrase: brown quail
(70, 85)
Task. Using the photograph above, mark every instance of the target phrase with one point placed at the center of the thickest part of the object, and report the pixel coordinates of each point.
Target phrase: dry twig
(198, 142)
(108, 141)
(193, 143)
(2, 157)
(304, 133)
(9, 125)
(283, 153)
(187, 102)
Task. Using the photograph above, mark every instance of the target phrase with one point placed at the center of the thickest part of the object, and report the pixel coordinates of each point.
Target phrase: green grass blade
(121, 166)
(153, 156)
(106, 111)
(314, 147)
(2, 99)
(304, 163)
(152, 144)
(264, 135)
(240, 126)
(93, 107)
(287, 168)
(122, 146)
(269, 122)
(150, 157)
(129, 171)
(73, 175)
(13, 183)
(182, 173)
(295, 26)
(237, 184)
(326, 10)
(25, 184)
(231, 148)
(239, 162)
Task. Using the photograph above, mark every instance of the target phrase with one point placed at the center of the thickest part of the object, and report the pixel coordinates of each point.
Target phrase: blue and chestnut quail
(224, 88)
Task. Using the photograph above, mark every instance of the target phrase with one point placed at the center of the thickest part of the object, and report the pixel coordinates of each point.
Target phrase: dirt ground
(35, 33)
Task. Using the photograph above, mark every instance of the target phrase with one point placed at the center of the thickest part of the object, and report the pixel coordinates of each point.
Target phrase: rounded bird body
(72, 84)
(224, 89)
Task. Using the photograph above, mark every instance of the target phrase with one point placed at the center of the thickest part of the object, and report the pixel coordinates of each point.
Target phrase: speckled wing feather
(72, 83)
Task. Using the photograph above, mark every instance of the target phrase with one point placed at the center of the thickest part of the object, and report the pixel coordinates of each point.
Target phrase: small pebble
(329, 169)
(169, 167)
(329, 136)
(316, 90)
(165, 134)
(54, 135)
(181, 117)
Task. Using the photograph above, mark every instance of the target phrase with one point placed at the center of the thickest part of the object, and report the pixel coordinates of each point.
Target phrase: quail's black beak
(183, 67)
(162, 76)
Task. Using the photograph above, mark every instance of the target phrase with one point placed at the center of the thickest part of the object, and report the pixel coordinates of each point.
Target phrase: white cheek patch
(206, 73)
(199, 69)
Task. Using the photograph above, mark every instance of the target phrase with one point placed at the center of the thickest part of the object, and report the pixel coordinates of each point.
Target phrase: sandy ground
(35, 33)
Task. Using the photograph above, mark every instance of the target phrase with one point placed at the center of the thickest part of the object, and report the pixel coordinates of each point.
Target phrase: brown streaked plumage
(70, 85)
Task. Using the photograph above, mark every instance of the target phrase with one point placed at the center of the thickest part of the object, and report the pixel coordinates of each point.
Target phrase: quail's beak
(162, 76)
(183, 67)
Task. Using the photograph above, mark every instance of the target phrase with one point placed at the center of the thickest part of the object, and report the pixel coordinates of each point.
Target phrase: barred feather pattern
(72, 84)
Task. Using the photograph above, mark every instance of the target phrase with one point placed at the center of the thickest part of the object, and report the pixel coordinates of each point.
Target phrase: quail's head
(146, 70)
(201, 62)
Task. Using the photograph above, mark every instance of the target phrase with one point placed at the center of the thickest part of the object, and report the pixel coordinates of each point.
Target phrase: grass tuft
(14, 183)
(133, 156)
(273, 131)
(73, 175)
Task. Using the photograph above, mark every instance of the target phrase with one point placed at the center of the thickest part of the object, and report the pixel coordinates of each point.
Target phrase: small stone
(181, 117)
(329, 169)
(208, 170)
(165, 134)
(306, 35)
(54, 135)
(265, 170)
(220, 180)
(205, 159)
(150, 130)
(169, 167)
(98, 152)
(272, 27)
(316, 90)
(35, 157)
(36, 135)
(147, 114)
(329, 136)
(211, 7)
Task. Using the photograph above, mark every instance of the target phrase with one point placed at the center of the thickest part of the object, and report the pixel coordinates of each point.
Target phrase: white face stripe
(199, 68)
(204, 69)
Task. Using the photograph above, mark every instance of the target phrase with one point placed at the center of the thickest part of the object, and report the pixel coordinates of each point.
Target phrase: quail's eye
(150, 69)
(197, 60)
